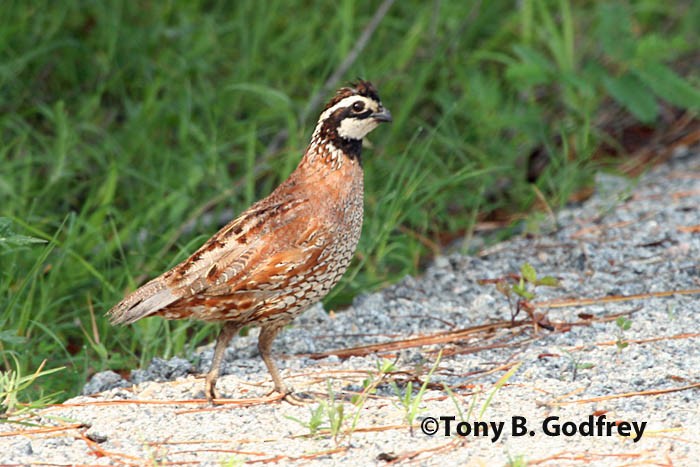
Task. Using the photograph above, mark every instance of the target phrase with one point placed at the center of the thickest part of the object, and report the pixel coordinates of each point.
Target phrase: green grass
(120, 122)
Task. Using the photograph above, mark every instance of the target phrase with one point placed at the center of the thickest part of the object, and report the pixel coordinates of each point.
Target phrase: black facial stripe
(364, 114)
(329, 131)
(347, 112)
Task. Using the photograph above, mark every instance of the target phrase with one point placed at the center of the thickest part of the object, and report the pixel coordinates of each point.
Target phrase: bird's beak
(382, 116)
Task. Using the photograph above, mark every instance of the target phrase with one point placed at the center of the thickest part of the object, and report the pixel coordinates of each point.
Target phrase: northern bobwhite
(285, 252)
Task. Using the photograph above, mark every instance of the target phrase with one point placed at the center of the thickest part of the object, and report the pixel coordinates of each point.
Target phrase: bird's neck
(332, 152)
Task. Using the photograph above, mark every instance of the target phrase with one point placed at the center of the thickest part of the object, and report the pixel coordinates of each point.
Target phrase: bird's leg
(267, 336)
(227, 332)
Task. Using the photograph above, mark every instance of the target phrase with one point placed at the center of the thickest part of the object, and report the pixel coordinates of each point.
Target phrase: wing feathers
(232, 254)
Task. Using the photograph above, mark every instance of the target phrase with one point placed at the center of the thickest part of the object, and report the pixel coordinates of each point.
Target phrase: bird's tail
(144, 301)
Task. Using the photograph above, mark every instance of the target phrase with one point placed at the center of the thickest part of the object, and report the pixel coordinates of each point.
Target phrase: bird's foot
(292, 397)
(210, 391)
(299, 398)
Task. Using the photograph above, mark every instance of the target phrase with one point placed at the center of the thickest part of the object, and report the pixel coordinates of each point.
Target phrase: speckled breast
(304, 290)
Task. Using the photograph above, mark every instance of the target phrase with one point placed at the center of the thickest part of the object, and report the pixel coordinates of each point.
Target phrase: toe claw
(297, 398)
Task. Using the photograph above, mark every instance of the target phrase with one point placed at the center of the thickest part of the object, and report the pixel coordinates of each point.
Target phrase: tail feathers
(143, 302)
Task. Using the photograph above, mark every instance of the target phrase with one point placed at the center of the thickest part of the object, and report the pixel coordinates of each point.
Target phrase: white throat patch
(356, 128)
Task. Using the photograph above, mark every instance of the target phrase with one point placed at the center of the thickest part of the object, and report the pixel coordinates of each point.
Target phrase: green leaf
(532, 56)
(629, 91)
(548, 281)
(623, 323)
(525, 75)
(578, 82)
(669, 86)
(653, 47)
(10, 238)
(523, 292)
(519, 288)
(271, 95)
(11, 338)
(614, 30)
(528, 272)
(533, 68)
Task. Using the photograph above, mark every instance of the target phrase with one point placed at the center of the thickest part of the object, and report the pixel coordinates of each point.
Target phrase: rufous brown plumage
(285, 252)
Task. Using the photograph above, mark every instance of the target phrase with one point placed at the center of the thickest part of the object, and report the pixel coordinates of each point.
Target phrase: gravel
(631, 238)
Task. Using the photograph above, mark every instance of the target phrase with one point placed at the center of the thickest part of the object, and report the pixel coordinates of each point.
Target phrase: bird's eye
(358, 106)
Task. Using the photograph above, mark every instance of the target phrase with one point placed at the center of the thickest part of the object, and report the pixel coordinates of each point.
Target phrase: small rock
(162, 370)
(104, 381)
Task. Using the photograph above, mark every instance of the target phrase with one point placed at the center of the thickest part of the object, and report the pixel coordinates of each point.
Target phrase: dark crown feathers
(359, 88)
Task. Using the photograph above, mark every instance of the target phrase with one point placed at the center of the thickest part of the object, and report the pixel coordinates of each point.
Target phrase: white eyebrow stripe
(345, 102)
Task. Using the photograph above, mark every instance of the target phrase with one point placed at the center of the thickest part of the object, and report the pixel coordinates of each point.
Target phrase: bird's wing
(291, 253)
(229, 253)
(278, 272)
